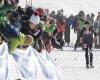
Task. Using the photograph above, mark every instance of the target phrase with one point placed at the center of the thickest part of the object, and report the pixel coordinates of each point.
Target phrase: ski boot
(87, 66)
(91, 65)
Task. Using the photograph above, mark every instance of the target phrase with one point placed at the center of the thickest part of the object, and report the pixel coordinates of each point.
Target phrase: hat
(40, 11)
(28, 40)
(34, 19)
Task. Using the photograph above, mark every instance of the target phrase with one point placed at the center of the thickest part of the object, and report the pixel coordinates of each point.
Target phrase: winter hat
(39, 11)
(28, 40)
(34, 19)
(22, 40)
(15, 41)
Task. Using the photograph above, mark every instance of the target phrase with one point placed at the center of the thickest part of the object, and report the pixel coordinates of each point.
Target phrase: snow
(69, 6)
(73, 64)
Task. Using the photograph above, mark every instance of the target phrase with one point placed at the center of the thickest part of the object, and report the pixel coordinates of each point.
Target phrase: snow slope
(69, 6)
(73, 64)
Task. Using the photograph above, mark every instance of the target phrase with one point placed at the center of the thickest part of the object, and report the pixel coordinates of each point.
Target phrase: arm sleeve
(81, 32)
(95, 34)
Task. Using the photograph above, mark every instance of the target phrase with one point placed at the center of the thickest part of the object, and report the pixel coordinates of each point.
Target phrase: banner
(27, 65)
(8, 66)
(3, 61)
(50, 69)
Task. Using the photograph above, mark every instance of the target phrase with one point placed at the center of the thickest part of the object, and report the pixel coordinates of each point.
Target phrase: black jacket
(87, 38)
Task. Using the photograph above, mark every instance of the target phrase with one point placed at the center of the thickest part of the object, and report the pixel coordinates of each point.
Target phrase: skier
(87, 40)
(80, 19)
(97, 29)
(60, 26)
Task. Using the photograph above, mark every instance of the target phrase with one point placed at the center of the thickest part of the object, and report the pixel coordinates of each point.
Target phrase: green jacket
(14, 42)
(81, 23)
(3, 12)
(49, 28)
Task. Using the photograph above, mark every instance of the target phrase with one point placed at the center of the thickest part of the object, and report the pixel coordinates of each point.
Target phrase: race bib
(85, 45)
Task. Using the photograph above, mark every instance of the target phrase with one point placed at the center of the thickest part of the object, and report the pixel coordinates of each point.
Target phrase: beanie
(34, 19)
